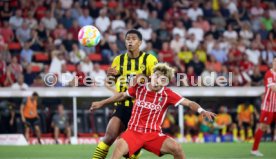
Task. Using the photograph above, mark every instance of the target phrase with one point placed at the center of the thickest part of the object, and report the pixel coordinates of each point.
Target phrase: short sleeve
(251, 108)
(131, 91)
(151, 62)
(116, 63)
(175, 98)
(239, 109)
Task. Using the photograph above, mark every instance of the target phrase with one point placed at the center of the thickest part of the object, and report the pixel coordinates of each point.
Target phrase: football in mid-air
(89, 36)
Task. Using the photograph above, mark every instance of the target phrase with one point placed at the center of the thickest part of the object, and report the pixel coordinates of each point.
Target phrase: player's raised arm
(115, 98)
(196, 107)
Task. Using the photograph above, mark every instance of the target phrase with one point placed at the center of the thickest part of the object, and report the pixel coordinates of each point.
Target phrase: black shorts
(31, 122)
(123, 113)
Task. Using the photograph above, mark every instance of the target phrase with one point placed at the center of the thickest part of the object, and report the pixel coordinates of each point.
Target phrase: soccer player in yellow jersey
(125, 67)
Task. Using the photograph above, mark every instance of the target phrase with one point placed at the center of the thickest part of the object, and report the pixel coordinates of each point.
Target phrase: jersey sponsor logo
(148, 105)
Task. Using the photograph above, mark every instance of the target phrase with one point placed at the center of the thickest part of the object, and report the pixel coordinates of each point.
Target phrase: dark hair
(134, 31)
(35, 94)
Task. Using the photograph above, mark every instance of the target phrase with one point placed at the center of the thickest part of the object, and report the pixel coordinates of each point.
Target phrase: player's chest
(152, 101)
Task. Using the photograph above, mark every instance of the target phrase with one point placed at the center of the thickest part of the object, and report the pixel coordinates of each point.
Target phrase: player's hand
(95, 105)
(209, 115)
(112, 71)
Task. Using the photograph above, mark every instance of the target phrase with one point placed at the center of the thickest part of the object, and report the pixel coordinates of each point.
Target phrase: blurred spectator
(75, 30)
(191, 77)
(253, 53)
(26, 55)
(41, 10)
(7, 32)
(196, 31)
(66, 20)
(145, 30)
(66, 4)
(7, 78)
(207, 10)
(3, 45)
(120, 42)
(166, 54)
(168, 124)
(180, 30)
(85, 18)
(191, 123)
(218, 20)
(197, 65)
(30, 117)
(16, 21)
(209, 76)
(102, 22)
(243, 13)
(245, 120)
(7, 119)
(230, 34)
(150, 50)
(240, 78)
(153, 20)
(38, 82)
(192, 43)
(23, 34)
(76, 55)
(35, 44)
(29, 75)
(185, 55)
(263, 32)
(57, 62)
(60, 123)
(81, 76)
(15, 67)
(68, 42)
(267, 21)
(31, 21)
(203, 24)
(177, 43)
(256, 77)
(60, 32)
(256, 9)
(86, 65)
(201, 52)
(49, 21)
(246, 34)
(162, 33)
(76, 10)
(268, 54)
(118, 24)
(42, 32)
(6, 13)
(223, 121)
(194, 11)
(98, 75)
(246, 65)
(65, 77)
(20, 84)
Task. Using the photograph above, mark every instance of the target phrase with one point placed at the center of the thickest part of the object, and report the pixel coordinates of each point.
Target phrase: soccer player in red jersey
(268, 113)
(151, 103)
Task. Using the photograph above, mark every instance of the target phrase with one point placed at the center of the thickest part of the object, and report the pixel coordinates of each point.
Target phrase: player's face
(132, 42)
(158, 80)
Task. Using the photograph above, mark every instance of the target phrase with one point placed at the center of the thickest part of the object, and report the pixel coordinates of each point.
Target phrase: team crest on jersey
(142, 67)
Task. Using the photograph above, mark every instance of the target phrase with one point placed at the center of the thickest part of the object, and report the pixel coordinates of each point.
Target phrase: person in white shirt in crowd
(66, 78)
(23, 34)
(85, 18)
(230, 34)
(31, 21)
(256, 9)
(231, 6)
(192, 43)
(194, 11)
(20, 84)
(57, 62)
(180, 30)
(177, 43)
(209, 76)
(86, 65)
(142, 13)
(103, 21)
(118, 24)
(209, 42)
(253, 53)
(98, 75)
(76, 55)
(240, 78)
(66, 4)
(197, 31)
(145, 30)
(16, 20)
(245, 33)
(272, 11)
(49, 21)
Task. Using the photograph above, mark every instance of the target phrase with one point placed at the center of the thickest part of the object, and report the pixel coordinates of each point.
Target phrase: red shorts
(150, 141)
(267, 117)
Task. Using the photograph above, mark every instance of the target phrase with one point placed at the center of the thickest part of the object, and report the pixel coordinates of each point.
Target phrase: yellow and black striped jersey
(130, 67)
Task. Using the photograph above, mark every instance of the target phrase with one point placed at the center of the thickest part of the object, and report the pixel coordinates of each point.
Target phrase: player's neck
(134, 54)
(151, 88)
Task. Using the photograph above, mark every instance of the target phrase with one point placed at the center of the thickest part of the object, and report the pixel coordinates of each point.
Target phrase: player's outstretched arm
(196, 107)
(115, 98)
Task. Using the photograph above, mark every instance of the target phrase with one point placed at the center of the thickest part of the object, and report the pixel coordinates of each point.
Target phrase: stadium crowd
(196, 37)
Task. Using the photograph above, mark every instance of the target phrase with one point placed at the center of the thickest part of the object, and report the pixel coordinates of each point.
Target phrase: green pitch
(193, 151)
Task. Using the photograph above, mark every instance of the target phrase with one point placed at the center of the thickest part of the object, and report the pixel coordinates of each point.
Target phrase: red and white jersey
(269, 102)
(150, 107)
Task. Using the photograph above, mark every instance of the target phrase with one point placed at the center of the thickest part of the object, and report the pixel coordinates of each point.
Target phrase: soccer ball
(89, 36)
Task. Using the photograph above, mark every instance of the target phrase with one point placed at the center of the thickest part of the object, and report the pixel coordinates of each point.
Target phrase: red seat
(14, 46)
(71, 68)
(95, 57)
(36, 68)
(41, 57)
(104, 67)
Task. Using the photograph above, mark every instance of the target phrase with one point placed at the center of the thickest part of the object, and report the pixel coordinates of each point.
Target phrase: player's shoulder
(150, 57)
(119, 56)
(268, 73)
(169, 91)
